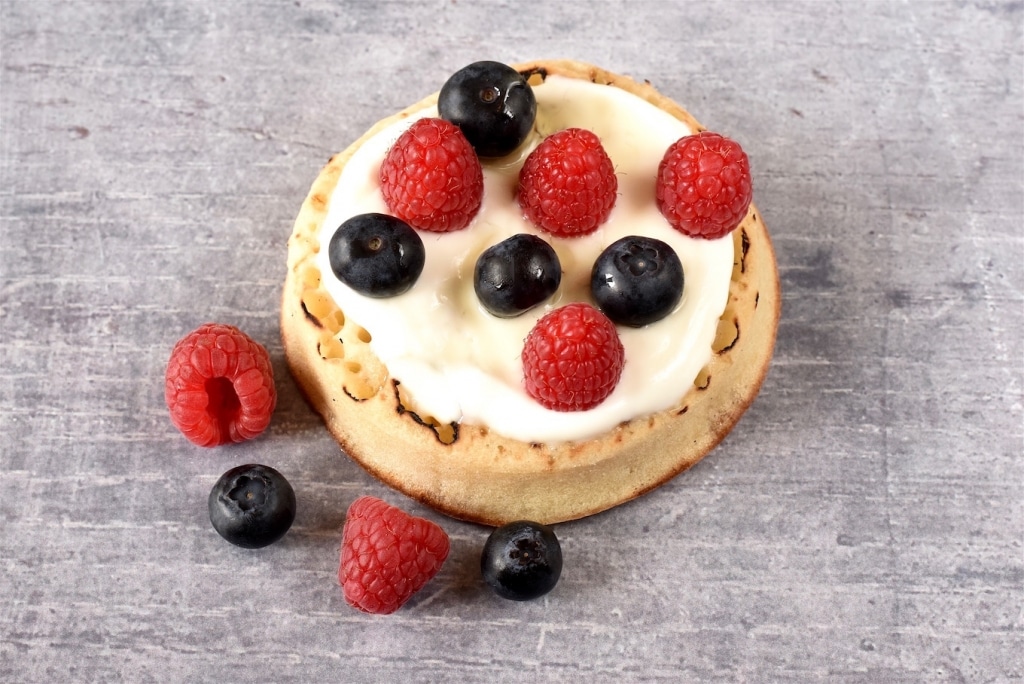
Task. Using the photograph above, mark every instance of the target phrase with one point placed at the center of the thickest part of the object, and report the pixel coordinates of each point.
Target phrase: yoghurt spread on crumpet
(460, 364)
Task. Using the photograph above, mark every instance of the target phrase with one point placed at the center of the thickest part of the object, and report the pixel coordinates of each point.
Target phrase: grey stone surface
(863, 523)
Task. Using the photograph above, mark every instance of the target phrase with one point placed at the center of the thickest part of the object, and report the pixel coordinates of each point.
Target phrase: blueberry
(521, 560)
(637, 280)
(252, 506)
(516, 274)
(376, 255)
(493, 105)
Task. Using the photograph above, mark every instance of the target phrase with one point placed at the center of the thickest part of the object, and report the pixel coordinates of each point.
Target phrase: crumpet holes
(334, 322)
(330, 348)
(309, 277)
(727, 335)
(359, 389)
(317, 303)
(446, 433)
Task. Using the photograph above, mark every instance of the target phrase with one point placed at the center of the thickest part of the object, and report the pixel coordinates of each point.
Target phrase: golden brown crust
(472, 474)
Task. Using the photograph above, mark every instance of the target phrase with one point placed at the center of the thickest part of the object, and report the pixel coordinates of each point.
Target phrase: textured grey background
(863, 523)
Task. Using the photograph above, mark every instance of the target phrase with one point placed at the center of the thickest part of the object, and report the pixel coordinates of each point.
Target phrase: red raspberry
(387, 555)
(703, 186)
(573, 358)
(431, 177)
(567, 186)
(219, 386)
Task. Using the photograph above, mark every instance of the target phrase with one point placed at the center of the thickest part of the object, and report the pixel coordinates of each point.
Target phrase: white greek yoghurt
(459, 363)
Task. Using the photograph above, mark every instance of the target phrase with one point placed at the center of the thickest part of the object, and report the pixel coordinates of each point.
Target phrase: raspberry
(703, 185)
(572, 359)
(431, 177)
(387, 555)
(567, 185)
(219, 386)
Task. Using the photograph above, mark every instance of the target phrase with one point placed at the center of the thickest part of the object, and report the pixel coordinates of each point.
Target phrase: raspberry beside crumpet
(219, 386)
(387, 555)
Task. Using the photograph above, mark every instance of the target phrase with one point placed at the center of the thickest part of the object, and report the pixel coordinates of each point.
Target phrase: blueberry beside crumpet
(426, 389)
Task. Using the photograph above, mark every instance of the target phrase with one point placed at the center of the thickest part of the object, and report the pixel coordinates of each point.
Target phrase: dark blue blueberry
(376, 255)
(516, 275)
(252, 506)
(493, 105)
(637, 280)
(521, 560)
